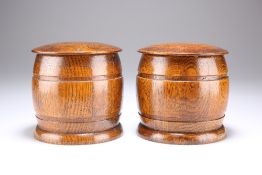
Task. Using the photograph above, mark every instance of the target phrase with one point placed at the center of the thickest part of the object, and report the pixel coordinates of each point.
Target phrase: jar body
(74, 95)
(182, 94)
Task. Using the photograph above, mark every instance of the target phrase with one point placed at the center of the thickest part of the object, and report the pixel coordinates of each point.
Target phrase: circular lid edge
(67, 48)
(183, 49)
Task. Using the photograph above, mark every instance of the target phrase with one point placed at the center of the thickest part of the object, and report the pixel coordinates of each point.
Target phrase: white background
(240, 152)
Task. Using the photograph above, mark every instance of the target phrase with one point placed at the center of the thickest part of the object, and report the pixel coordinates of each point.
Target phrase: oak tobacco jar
(182, 91)
(77, 92)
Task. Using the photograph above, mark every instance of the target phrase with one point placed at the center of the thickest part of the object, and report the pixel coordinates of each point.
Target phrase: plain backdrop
(235, 25)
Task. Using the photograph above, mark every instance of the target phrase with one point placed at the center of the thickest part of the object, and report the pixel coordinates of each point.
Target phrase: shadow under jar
(182, 91)
(77, 93)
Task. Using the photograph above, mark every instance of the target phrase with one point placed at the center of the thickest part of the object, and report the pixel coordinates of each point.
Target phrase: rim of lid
(183, 49)
(67, 48)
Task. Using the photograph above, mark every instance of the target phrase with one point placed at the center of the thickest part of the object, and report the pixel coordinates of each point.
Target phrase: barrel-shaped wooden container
(182, 93)
(77, 93)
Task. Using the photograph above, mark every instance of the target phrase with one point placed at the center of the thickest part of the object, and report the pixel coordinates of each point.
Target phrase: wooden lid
(183, 49)
(67, 48)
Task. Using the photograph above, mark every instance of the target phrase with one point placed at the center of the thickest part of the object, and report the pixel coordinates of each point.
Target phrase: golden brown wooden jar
(182, 93)
(77, 93)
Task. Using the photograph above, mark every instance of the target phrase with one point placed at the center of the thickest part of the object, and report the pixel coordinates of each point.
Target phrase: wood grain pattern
(183, 92)
(171, 100)
(183, 49)
(181, 138)
(76, 48)
(76, 94)
(78, 139)
(185, 127)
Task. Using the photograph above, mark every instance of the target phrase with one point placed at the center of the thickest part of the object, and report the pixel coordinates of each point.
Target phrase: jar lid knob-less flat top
(68, 48)
(183, 49)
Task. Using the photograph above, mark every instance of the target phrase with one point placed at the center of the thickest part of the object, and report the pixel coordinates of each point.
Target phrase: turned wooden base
(181, 138)
(77, 139)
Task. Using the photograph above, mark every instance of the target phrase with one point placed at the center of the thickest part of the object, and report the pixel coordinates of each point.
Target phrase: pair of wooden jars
(182, 92)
